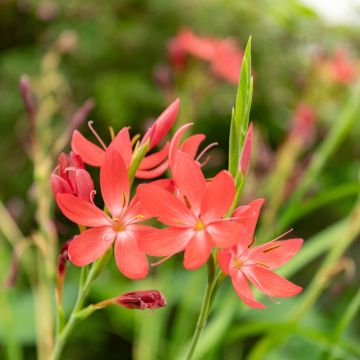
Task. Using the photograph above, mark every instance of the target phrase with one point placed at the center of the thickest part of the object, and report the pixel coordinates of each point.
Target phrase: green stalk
(77, 313)
(343, 324)
(205, 307)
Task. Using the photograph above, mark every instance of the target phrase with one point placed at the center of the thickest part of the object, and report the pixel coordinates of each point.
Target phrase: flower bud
(146, 299)
(162, 125)
(29, 101)
(72, 178)
(244, 162)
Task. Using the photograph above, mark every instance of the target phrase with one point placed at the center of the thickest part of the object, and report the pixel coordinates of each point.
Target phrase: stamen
(205, 161)
(271, 249)
(263, 265)
(112, 132)
(92, 195)
(252, 243)
(135, 139)
(187, 202)
(90, 124)
(282, 235)
(57, 168)
(206, 149)
(162, 260)
(123, 199)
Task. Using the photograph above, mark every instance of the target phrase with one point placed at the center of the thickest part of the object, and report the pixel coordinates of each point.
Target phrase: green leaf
(240, 116)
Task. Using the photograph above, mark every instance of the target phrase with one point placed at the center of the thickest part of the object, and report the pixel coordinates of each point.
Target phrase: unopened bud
(146, 299)
(28, 100)
(63, 258)
(162, 125)
(81, 115)
(244, 163)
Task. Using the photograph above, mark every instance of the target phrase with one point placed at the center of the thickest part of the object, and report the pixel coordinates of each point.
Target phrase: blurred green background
(115, 52)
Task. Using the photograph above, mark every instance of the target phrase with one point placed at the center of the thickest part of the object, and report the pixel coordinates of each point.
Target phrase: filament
(90, 124)
(210, 146)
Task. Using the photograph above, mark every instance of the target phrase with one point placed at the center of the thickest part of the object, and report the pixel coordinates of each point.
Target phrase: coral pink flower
(223, 54)
(145, 299)
(72, 178)
(189, 146)
(194, 215)
(244, 262)
(121, 228)
(152, 165)
(343, 68)
(303, 124)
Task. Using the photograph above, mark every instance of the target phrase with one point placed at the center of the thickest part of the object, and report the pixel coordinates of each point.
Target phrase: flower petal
(90, 245)
(152, 173)
(84, 184)
(275, 253)
(248, 215)
(224, 258)
(81, 212)
(155, 159)
(130, 260)
(165, 242)
(270, 283)
(190, 180)
(197, 251)
(174, 143)
(226, 233)
(219, 196)
(191, 145)
(114, 182)
(122, 144)
(243, 289)
(59, 185)
(90, 153)
(161, 203)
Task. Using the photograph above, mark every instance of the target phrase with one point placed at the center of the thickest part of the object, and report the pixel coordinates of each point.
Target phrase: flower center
(237, 263)
(199, 225)
(118, 225)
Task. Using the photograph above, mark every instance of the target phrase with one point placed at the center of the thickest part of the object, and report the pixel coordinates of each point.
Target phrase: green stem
(86, 279)
(211, 288)
(343, 324)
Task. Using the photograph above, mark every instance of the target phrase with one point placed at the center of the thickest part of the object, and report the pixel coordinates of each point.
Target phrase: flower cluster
(199, 216)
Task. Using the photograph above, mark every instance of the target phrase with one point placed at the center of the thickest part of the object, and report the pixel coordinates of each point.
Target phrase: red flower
(194, 215)
(223, 54)
(244, 263)
(152, 165)
(147, 299)
(343, 68)
(303, 124)
(72, 178)
(121, 228)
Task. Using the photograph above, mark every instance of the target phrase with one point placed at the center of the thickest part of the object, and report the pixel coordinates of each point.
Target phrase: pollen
(118, 226)
(237, 263)
(199, 225)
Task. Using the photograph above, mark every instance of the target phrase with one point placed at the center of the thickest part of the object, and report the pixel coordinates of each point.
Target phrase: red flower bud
(72, 178)
(162, 125)
(146, 299)
(244, 163)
